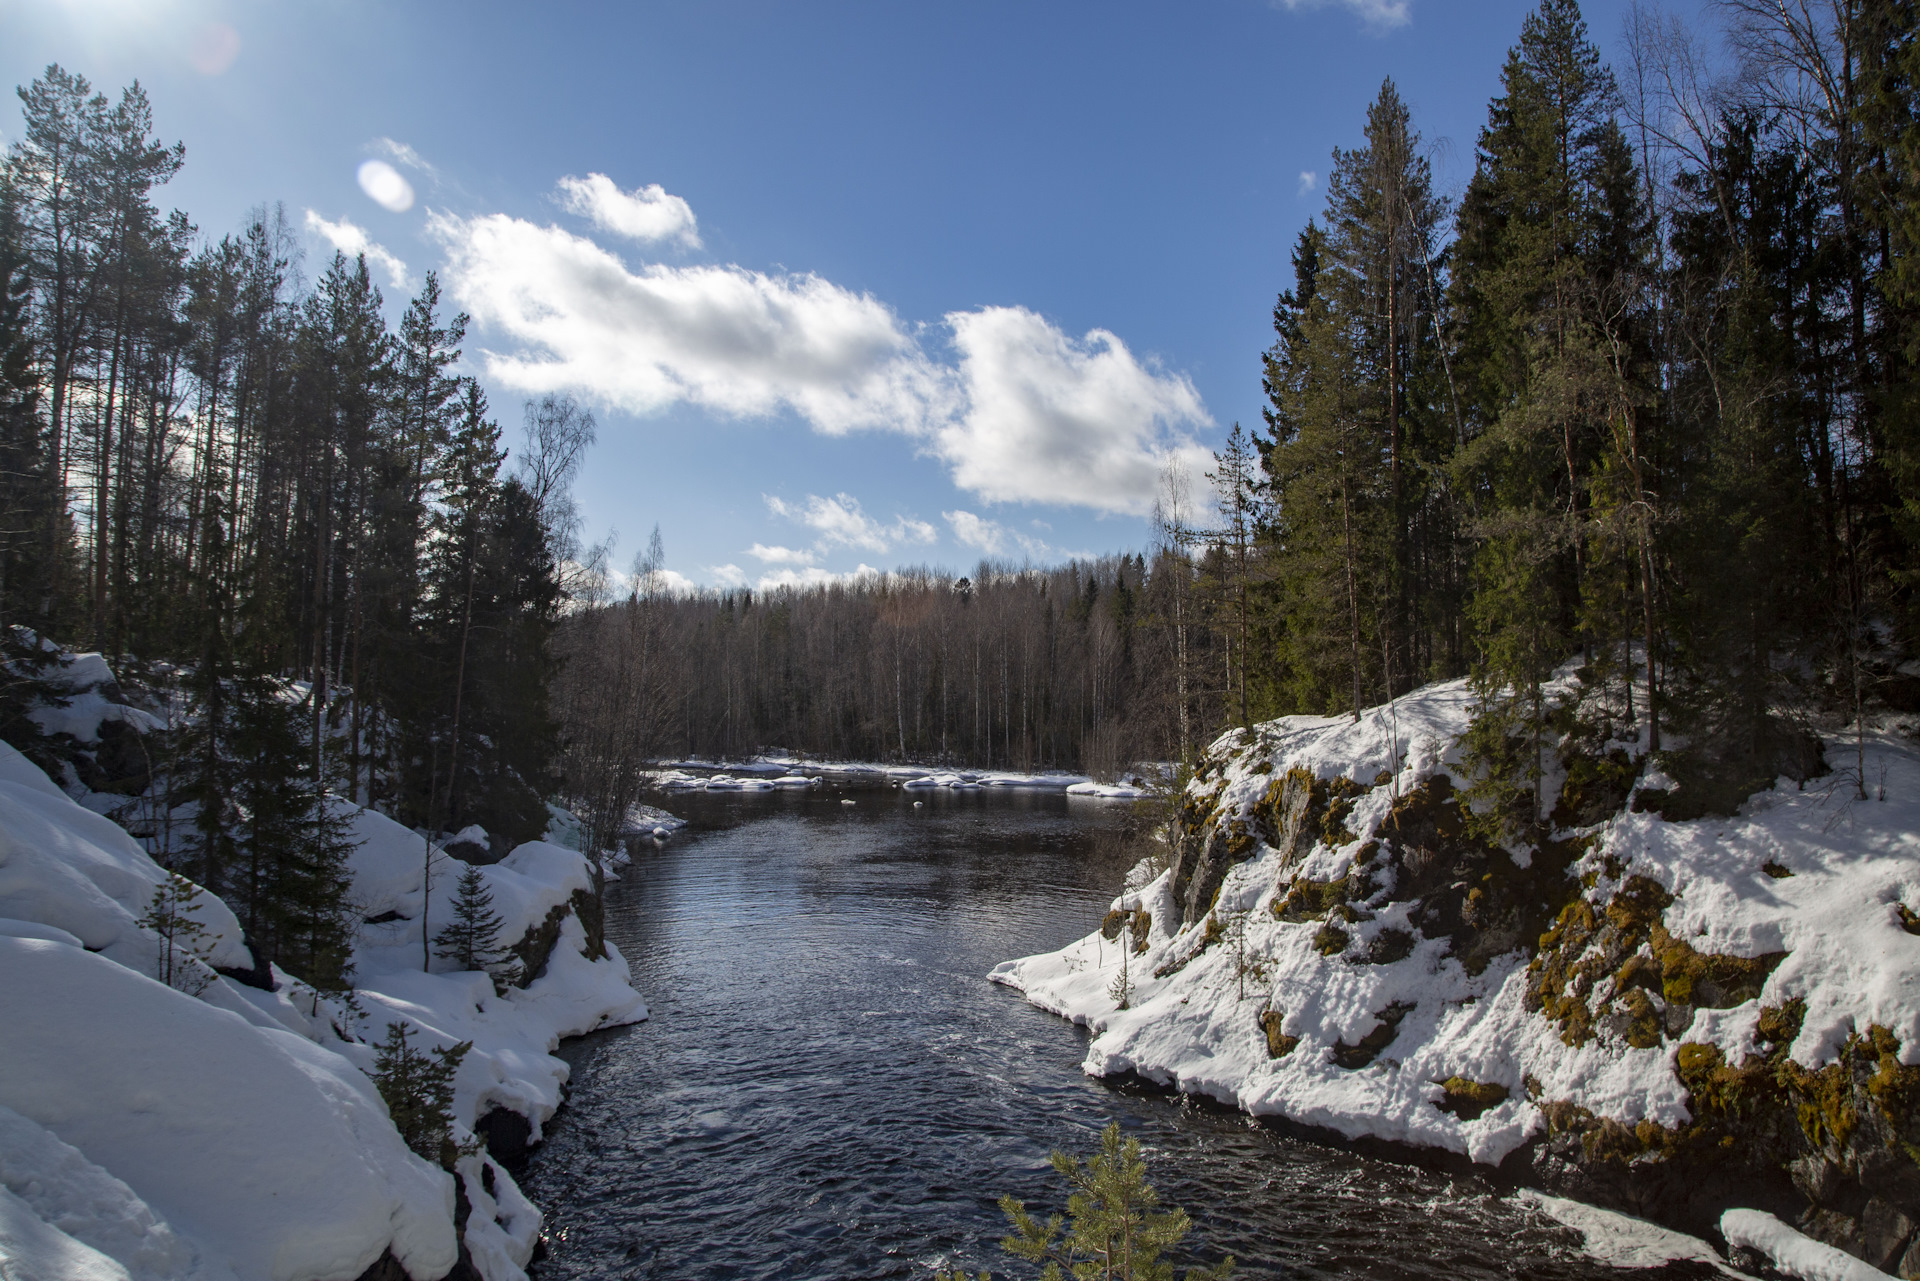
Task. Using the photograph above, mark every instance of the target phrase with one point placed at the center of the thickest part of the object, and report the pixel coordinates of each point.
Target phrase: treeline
(1652, 405)
(1008, 667)
(300, 509)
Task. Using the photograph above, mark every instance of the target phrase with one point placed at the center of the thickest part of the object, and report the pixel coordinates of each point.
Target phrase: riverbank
(1673, 1019)
(170, 1109)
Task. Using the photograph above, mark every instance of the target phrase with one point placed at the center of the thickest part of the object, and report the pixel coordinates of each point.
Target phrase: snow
(109, 1078)
(1107, 791)
(86, 684)
(1790, 1252)
(295, 1171)
(1623, 1241)
(64, 866)
(1199, 1028)
(53, 1187)
(33, 1250)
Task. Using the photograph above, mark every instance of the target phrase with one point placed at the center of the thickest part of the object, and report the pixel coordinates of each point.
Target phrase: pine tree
(471, 940)
(1114, 1227)
(418, 1090)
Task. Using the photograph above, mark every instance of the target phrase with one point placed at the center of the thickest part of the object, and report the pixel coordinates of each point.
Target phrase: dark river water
(829, 1087)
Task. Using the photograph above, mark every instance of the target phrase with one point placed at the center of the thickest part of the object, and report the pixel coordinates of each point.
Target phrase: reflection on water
(830, 1088)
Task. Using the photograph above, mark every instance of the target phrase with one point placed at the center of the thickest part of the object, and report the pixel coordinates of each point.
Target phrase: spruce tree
(417, 1087)
(1552, 235)
(471, 940)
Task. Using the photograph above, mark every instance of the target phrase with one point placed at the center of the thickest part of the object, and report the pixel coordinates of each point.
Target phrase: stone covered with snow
(1668, 1017)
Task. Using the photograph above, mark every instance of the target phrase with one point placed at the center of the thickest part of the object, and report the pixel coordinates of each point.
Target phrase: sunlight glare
(383, 183)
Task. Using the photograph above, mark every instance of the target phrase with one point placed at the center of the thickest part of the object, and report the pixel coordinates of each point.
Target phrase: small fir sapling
(471, 939)
(1115, 1229)
(418, 1090)
(183, 961)
(1121, 989)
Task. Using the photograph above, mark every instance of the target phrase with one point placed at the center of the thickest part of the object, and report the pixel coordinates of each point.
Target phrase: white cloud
(728, 575)
(1308, 181)
(737, 342)
(1054, 420)
(384, 186)
(645, 213)
(814, 576)
(401, 153)
(991, 537)
(839, 522)
(1023, 412)
(353, 240)
(781, 555)
(1381, 15)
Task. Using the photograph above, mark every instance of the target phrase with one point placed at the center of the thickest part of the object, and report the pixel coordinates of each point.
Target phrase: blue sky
(856, 284)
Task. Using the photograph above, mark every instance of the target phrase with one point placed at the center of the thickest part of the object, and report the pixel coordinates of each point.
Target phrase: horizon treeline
(251, 490)
(1010, 666)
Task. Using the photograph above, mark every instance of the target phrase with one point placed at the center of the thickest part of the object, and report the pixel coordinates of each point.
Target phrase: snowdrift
(1671, 1018)
(147, 1132)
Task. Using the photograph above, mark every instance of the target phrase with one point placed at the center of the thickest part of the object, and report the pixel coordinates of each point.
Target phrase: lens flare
(215, 46)
(383, 183)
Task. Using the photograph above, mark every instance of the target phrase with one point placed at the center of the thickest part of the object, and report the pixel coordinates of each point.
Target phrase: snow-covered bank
(767, 773)
(1656, 1015)
(211, 1129)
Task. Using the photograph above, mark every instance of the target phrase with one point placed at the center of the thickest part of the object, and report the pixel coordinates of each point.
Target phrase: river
(830, 1088)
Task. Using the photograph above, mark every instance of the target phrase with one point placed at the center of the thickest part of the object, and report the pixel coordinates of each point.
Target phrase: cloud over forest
(1017, 409)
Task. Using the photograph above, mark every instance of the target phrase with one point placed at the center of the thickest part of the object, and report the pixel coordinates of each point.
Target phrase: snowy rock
(1326, 941)
(295, 1173)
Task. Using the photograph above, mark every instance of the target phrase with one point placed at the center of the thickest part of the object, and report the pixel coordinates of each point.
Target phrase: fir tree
(418, 1090)
(471, 940)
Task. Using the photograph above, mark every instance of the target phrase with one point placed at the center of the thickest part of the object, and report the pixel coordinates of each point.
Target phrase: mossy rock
(1390, 945)
(1119, 919)
(1627, 942)
(1310, 900)
(1279, 1044)
(1331, 940)
(1469, 1100)
(1596, 787)
(1368, 1047)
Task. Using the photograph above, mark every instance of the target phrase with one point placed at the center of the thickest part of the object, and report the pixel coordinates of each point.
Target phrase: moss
(1775, 870)
(1119, 919)
(1213, 934)
(1909, 919)
(1341, 794)
(1708, 979)
(1368, 1048)
(1469, 1100)
(1330, 941)
(1279, 1044)
(1310, 900)
(1263, 767)
(1627, 940)
(1596, 787)
(1644, 1024)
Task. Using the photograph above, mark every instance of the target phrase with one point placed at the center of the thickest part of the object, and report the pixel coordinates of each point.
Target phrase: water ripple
(829, 1087)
